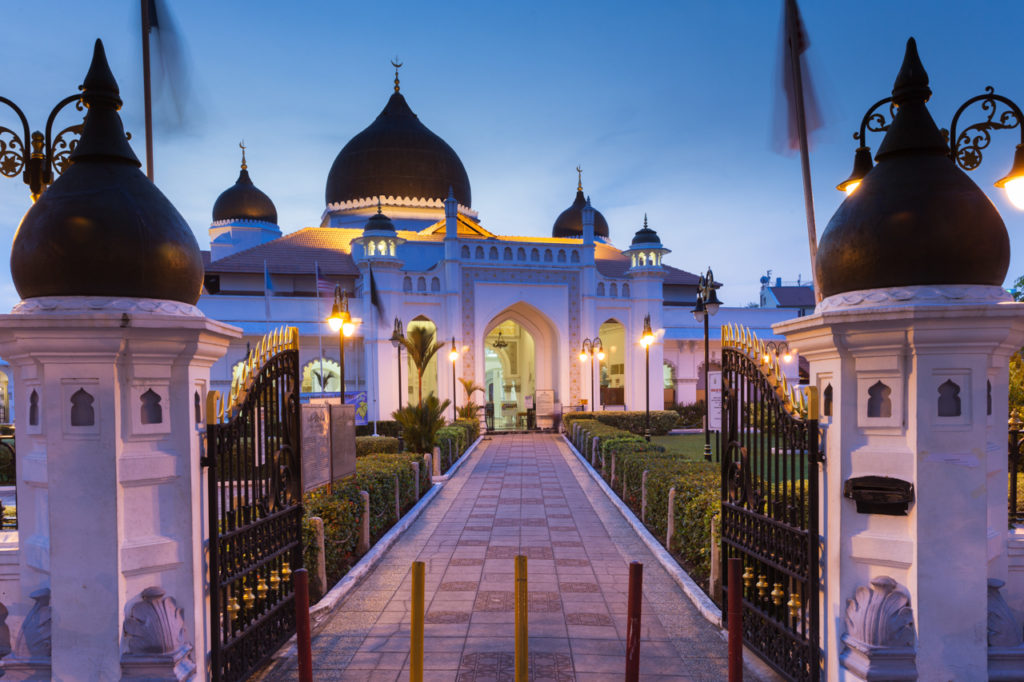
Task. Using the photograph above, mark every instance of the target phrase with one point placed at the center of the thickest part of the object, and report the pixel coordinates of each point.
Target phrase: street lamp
(646, 339)
(396, 340)
(341, 321)
(707, 305)
(777, 348)
(965, 148)
(453, 355)
(589, 350)
(37, 156)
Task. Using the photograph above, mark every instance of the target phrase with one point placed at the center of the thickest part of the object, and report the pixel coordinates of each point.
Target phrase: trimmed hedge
(454, 439)
(662, 421)
(384, 428)
(369, 445)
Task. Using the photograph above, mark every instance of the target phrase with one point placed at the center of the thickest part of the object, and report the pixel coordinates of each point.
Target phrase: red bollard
(636, 581)
(735, 613)
(300, 581)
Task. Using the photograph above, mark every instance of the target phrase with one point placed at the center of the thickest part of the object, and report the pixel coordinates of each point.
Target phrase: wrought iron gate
(255, 508)
(770, 504)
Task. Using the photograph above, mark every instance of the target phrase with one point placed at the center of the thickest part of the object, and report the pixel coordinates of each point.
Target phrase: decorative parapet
(879, 635)
(156, 640)
(409, 202)
(895, 297)
(1005, 639)
(92, 304)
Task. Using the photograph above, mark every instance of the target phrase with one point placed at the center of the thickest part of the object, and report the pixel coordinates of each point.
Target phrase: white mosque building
(518, 309)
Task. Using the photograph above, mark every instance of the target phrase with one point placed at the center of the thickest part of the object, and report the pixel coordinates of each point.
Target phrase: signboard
(343, 441)
(527, 402)
(356, 398)
(316, 446)
(714, 401)
(545, 408)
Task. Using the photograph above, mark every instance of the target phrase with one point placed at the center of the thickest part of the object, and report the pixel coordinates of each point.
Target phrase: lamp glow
(647, 338)
(334, 322)
(1013, 183)
(348, 327)
(600, 355)
(453, 354)
(851, 187)
(583, 357)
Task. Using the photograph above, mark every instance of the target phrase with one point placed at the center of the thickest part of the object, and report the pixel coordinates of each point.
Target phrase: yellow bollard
(416, 627)
(522, 647)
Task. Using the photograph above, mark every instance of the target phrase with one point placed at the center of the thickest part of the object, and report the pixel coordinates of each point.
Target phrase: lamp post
(396, 340)
(341, 321)
(777, 348)
(646, 339)
(453, 355)
(707, 305)
(965, 148)
(592, 347)
(35, 156)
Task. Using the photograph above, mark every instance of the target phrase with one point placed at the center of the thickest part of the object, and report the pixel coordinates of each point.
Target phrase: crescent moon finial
(397, 64)
(242, 146)
(579, 173)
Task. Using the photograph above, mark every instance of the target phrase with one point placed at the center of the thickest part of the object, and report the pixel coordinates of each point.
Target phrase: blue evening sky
(668, 106)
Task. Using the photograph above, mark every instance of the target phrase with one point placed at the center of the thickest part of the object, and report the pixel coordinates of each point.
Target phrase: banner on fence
(714, 401)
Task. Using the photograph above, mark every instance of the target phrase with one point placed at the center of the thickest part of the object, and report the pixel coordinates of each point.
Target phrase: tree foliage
(422, 346)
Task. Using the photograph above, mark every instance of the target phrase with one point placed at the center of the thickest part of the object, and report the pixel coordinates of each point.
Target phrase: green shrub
(421, 422)
(662, 421)
(340, 512)
(7, 461)
(369, 445)
(452, 442)
(389, 428)
(691, 416)
(376, 475)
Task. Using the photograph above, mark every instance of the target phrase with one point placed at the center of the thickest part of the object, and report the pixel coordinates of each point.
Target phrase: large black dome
(569, 223)
(244, 201)
(397, 156)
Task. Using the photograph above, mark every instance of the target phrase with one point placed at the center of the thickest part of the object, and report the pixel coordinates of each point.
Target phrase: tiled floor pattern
(518, 494)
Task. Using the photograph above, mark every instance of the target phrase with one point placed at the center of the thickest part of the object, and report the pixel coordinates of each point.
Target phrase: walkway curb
(458, 463)
(707, 608)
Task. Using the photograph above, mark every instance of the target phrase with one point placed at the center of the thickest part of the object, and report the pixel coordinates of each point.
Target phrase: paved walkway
(517, 494)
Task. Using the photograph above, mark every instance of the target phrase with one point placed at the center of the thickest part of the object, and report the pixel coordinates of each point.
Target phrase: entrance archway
(429, 372)
(613, 368)
(509, 376)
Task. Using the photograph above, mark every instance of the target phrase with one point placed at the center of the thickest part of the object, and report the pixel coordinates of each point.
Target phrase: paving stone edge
(707, 608)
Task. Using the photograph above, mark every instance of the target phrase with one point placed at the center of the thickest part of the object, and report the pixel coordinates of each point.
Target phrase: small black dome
(645, 236)
(379, 225)
(569, 223)
(397, 156)
(102, 228)
(915, 219)
(244, 201)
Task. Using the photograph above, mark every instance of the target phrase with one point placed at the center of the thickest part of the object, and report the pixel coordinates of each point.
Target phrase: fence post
(643, 497)
(611, 475)
(300, 583)
(416, 473)
(437, 461)
(671, 518)
(635, 601)
(594, 447)
(321, 554)
(735, 613)
(398, 500)
(521, 625)
(364, 523)
(416, 626)
(428, 462)
(715, 583)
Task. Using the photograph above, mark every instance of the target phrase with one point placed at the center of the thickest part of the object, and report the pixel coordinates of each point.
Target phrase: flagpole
(146, 88)
(805, 162)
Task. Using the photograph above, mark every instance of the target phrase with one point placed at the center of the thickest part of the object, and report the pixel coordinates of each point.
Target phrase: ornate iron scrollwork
(34, 156)
(966, 147)
(12, 153)
(875, 120)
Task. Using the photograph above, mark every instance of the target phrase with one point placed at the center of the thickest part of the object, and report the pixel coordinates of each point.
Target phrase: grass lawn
(688, 446)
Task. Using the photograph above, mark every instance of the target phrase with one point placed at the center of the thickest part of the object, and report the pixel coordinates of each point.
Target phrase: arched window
(535, 255)
(480, 252)
(643, 259)
(421, 285)
(493, 253)
(548, 256)
(879, 403)
(600, 288)
(561, 255)
(407, 284)
(391, 248)
(82, 412)
(613, 290)
(625, 290)
(435, 284)
(430, 371)
(949, 399)
(371, 249)
(150, 411)
(508, 253)
(575, 258)
(613, 368)
(521, 254)
(320, 375)
(465, 251)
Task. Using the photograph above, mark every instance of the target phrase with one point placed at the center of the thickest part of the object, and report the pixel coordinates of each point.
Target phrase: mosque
(400, 239)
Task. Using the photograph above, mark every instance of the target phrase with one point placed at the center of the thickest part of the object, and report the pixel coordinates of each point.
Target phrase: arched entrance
(613, 368)
(509, 376)
(429, 372)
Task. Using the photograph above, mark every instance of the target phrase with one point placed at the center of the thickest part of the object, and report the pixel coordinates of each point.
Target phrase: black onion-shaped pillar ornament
(916, 218)
(102, 228)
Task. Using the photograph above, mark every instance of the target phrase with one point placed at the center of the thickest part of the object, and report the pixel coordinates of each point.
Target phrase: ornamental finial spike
(397, 64)
(242, 146)
(912, 80)
(579, 173)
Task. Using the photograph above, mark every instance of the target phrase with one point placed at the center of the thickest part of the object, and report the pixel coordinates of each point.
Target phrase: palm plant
(422, 346)
(421, 422)
(469, 409)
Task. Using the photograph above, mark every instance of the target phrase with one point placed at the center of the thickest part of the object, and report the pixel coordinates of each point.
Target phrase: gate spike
(211, 407)
(812, 402)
